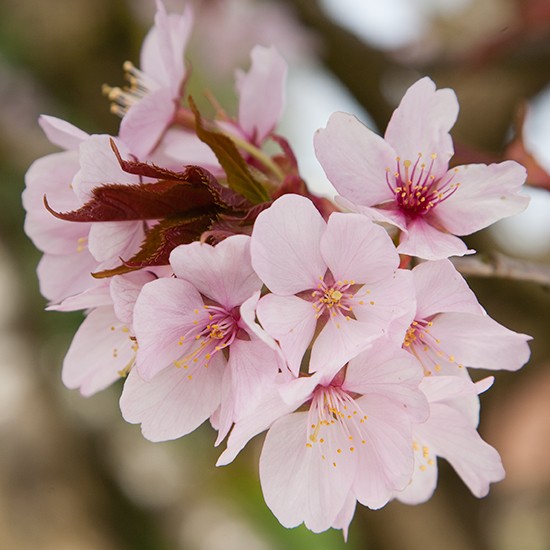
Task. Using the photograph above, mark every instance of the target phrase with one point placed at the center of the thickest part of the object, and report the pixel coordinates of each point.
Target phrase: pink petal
(340, 340)
(424, 479)
(125, 290)
(387, 305)
(451, 436)
(480, 342)
(173, 403)
(292, 322)
(251, 372)
(299, 485)
(388, 213)
(427, 242)
(262, 93)
(165, 310)
(101, 349)
(93, 297)
(271, 408)
(143, 125)
(52, 176)
(388, 371)
(344, 517)
(186, 148)
(62, 133)
(61, 276)
(285, 245)
(223, 272)
(99, 165)
(439, 288)
(162, 53)
(422, 122)
(355, 160)
(387, 451)
(485, 195)
(111, 241)
(355, 249)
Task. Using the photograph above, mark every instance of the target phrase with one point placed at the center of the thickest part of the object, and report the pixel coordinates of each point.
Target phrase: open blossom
(404, 178)
(339, 278)
(351, 443)
(451, 433)
(196, 351)
(451, 331)
(149, 103)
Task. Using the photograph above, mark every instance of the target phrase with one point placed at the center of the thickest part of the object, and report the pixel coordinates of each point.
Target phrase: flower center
(332, 298)
(218, 333)
(416, 189)
(139, 85)
(426, 348)
(335, 423)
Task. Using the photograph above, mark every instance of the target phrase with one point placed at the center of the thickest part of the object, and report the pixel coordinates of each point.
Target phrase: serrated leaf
(159, 242)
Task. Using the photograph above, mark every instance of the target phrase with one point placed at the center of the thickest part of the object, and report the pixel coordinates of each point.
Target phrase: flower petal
(480, 342)
(125, 290)
(355, 159)
(223, 272)
(101, 349)
(355, 249)
(292, 322)
(299, 485)
(285, 245)
(422, 122)
(62, 133)
(173, 403)
(165, 310)
(428, 242)
(262, 93)
(485, 195)
(439, 288)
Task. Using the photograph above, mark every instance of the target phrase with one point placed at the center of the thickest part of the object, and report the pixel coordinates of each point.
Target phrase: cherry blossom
(339, 278)
(196, 351)
(404, 179)
(353, 441)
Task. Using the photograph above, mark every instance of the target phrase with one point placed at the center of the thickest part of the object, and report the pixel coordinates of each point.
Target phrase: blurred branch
(498, 265)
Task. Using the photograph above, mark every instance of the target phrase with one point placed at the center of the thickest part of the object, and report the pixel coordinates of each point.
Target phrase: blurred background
(73, 475)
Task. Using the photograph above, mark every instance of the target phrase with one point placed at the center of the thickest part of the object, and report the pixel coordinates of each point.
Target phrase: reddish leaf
(159, 242)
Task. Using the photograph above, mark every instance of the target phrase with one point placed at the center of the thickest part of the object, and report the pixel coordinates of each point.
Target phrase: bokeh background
(73, 475)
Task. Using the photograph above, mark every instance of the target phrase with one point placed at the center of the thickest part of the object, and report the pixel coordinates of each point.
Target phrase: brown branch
(501, 266)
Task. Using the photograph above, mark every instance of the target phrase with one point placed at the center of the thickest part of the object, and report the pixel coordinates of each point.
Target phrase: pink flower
(148, 105)
(450, 432)
(352, 441)
(339, 278)
(404, 178)
(451, 331)
(196, 350)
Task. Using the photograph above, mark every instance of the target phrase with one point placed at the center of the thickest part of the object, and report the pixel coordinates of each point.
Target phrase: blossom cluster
(222, 289)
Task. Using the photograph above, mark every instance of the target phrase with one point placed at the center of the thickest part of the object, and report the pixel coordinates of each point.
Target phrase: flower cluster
(222, 289)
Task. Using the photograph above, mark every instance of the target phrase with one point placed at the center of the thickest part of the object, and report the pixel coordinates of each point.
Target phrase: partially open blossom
(451, 331)
(339, 278)
(404, 178)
